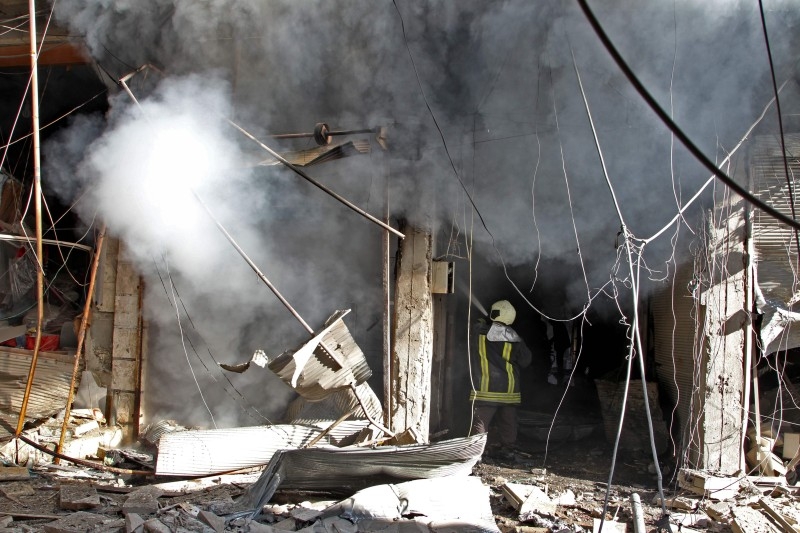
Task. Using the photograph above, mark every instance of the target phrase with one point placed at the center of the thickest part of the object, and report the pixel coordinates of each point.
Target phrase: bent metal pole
(87, 307)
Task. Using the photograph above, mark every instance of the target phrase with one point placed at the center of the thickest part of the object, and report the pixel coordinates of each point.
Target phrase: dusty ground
(580, 467)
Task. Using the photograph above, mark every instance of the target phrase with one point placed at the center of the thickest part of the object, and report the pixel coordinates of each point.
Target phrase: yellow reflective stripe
(484, 363)
(496, 397)
(509, 368)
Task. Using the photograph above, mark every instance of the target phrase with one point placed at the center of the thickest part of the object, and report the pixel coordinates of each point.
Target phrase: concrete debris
(134, 523)
(215, 522)
(708, 485)
(142, 501)
(85, 522)
(78, 497)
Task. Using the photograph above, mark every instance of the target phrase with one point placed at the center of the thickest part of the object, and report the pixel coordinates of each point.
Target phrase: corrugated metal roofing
(353, 468)
(330, 361)
(212, 451)
(49, 390)
(775, 245)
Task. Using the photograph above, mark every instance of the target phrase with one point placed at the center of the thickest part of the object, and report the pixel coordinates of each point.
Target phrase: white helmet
(503, 311)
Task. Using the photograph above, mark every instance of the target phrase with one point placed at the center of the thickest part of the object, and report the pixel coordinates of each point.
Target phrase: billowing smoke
(478, 96)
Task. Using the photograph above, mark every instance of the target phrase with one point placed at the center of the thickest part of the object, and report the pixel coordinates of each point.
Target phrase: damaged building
(246, 246)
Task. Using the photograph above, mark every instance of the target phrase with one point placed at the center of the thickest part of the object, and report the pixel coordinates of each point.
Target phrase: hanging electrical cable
(685, 140)
(635, 333)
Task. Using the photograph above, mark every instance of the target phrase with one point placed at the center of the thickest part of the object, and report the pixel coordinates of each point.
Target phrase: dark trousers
(505, 423)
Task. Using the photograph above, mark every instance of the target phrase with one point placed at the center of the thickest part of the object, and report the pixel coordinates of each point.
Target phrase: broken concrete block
(719, 511)
(83, 522)
(154, 525)
(708, 485)
(78, 497)
(142, 501)
(134, 523)
(6, 521)
(14, 473)
(678, 502)
(566, 498)
(212, 520)
(537, 503)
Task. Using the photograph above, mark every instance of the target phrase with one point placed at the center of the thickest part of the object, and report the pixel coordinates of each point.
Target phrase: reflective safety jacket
(496, 365)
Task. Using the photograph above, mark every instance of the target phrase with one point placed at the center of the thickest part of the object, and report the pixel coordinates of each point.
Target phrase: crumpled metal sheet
(212, 451)
(353, 468)
(463, 503)
(330, 361)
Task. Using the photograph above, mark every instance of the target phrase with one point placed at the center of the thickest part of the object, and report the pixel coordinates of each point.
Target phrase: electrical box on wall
(442, 277)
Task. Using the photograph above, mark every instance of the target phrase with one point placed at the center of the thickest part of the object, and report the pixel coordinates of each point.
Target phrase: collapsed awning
(352, 468)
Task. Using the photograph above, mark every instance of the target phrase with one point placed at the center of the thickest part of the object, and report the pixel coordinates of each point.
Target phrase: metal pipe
(82, 462)
(328, 133)
(22, 238)
(314, 182)
(638, 515)
(37, 191)
(87, 307)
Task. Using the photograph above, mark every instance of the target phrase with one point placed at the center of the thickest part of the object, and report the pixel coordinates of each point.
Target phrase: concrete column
(412, 353)
(126, 349)
(722, 372)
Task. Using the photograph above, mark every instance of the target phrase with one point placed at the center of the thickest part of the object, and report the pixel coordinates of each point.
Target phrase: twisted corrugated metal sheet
(328, 362)
(353, 468)
(212, 451)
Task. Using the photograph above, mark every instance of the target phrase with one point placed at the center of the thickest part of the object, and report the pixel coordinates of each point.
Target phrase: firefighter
(497, 355)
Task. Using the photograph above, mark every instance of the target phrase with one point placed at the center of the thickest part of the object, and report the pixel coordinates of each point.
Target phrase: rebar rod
(328, 133)
(87, 307)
